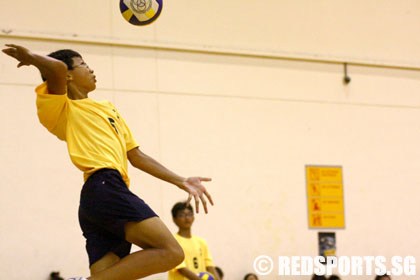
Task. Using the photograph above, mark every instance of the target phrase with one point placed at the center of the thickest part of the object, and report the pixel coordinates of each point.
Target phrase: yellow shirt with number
(197, 256)
(97, 136)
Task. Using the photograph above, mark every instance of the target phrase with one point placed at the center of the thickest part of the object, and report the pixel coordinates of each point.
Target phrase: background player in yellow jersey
(100, 144)
(197, 255)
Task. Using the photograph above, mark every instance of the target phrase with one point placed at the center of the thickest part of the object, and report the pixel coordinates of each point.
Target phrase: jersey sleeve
(207, 256)
(52, 110)
(130, 141)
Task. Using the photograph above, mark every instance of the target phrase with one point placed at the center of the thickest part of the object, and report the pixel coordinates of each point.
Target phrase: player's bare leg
(163, 254)
(105, 262)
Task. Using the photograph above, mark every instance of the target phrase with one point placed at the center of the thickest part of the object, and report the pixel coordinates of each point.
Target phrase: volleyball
(205, 276)
(140, 12)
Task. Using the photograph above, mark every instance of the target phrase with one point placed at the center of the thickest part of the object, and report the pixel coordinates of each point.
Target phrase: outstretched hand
(194, 188)
(23, 55)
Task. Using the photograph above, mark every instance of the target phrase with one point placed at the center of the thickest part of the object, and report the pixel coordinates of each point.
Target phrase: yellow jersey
(96, 135)
(197, 256)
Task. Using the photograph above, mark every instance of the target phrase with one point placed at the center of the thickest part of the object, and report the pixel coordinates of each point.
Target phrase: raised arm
(53, 70)
(191, 185)
(188, 274)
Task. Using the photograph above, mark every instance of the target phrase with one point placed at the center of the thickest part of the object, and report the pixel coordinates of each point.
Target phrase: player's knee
(177, 255)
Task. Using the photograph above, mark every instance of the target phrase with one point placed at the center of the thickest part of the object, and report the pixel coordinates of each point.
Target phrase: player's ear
(69, 77)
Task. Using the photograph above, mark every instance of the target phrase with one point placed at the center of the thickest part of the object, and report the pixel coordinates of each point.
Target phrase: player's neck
(185, 232)
(76, 93)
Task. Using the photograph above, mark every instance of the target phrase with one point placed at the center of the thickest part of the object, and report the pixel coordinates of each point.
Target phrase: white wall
(252, 124)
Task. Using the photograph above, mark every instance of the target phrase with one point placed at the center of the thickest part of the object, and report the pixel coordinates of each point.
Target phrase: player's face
(82, 75)
(184, 219)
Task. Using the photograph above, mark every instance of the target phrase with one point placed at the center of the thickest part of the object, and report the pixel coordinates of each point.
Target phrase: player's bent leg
(105, 262)
(153, 233)
(164, 252)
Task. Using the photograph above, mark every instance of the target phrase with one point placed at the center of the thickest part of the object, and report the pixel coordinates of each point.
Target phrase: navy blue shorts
(106, 204)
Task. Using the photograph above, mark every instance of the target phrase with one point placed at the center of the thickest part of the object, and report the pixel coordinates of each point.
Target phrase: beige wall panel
(288, 80)
(393, 87)
(59, 17)
(247, 77)
(135, 69)
(374, 30)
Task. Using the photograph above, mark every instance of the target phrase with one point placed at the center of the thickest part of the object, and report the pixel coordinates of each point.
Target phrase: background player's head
(250, 276)
(78, 74)
(220, 272)
(318, 277)
(383, 277)
(183, 215)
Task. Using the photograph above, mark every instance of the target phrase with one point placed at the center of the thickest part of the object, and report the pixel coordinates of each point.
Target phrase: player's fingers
(205, 179)
(197, 203)
(12, 46)
(10, 51)
(208, 197)
(7, 51)
(204, 203)
(189, 199)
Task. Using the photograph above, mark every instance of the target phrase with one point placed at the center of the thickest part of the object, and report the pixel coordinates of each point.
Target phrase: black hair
(333, 277)
(219, 271)
(179, 207)
(249, 274)
(379, 277)
(318, 277)
(65, 56)
(55, 275)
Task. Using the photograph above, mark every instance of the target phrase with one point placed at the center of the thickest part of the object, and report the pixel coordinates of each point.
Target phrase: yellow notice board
(324, 188)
